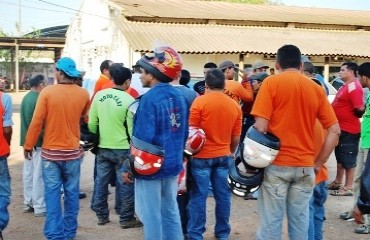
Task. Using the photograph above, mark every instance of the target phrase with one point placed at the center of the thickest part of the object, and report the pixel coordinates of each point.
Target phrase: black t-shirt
(200, 87)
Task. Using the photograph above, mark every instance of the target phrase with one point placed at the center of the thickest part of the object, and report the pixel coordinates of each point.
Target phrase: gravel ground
(244, 217)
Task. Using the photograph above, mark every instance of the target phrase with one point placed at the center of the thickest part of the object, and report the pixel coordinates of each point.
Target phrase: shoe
(41, 214)
(346, 216)
(362, 229)
(334, 186)
(82, 195)
(27, 208)
(342, 191)
(133, 223)
(102, 221)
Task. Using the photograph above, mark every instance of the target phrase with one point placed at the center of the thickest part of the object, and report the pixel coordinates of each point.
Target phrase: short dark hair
(351, 66)
(308, 67)
(289, 56)
(215, 79)
(36, 80)
(119, 73)
(364, 69)
(185, 77)
(210, 65)
(104, 65)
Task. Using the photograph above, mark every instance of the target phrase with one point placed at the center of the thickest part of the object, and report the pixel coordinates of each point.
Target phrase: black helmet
(88, 140)
(259, 150)
(244, 183)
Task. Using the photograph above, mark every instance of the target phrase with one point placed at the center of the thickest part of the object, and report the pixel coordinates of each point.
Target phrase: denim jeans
(4, 193)
(59, 225)
(285, 189)
(156, 207)
(203, 171)
(109, 162)
(317, 211)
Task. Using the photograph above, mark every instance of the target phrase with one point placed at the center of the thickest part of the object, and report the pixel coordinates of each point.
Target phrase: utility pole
(20, 18)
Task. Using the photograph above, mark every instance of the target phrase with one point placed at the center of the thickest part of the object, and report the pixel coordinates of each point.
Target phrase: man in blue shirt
(161, 121)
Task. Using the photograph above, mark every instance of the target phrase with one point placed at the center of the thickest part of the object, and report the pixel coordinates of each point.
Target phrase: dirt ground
(244, 216)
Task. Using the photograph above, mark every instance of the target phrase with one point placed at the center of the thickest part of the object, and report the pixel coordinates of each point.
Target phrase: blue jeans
(156, 207)
(4, 193)
(59, 225)
(285, 189)
(317, 211)
(109, 162)
(203, 171)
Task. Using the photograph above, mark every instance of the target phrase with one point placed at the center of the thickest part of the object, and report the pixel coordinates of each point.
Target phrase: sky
(38, 14)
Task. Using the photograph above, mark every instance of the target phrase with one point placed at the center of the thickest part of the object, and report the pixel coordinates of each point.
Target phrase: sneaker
(133, 223)
(102, 221)
(41, 214)
(346, 216)
(362, 229)
(27, 208)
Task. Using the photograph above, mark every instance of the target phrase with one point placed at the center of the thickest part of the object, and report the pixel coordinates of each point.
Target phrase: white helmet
(259, 150)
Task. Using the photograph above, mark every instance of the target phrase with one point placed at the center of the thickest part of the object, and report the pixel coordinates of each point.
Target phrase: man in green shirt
(33, 185)
(108, 113)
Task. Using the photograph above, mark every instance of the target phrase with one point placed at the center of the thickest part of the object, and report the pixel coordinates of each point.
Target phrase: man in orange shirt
(288, 105)
(58, 111)
(212, 163)
(104, 76)
(234, 89)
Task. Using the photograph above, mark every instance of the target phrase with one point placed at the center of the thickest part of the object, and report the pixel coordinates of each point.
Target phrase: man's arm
(7, 117)
(93, 117)
(245, 92)
(234, 144)
(261, 124)
(359, 111)
(330, 142)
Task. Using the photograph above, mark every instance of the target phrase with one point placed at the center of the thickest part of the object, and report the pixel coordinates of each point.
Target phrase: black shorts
(347, 149)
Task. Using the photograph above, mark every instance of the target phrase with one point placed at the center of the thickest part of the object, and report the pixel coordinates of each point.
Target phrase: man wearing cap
(136, 82)
(234, 89)
(248, 119)
(58, 111)
(259, 67)
(161, 121)
(6, 122)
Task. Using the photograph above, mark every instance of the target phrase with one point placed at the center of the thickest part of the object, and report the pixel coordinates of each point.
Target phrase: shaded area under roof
(218, 10)
(55, 32)
(211, 39)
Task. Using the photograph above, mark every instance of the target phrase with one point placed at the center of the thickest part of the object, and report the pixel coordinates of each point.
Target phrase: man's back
(291, 102)
(237, 92)
(58, 110)
(109, 110)
(28, 105)
(220, 118)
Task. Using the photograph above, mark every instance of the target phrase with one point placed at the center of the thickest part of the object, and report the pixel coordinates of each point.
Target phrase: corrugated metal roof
(190, 9)
(207, 38)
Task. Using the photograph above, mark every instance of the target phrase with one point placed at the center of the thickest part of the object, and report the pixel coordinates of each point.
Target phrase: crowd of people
(139, 121)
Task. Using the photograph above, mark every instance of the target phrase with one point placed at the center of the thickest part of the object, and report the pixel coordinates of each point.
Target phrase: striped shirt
(61, 155)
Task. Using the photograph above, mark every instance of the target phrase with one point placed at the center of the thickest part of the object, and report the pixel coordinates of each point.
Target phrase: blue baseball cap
(68, 66)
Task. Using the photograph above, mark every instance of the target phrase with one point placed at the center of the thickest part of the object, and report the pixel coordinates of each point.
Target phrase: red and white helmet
(148, 158)
(165, 65)
(195, 141)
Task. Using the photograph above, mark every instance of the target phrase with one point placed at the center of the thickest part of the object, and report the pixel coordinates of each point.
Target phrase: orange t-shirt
(221, 118)
(238, 92)
(292, 102)
(58, 111)
(319, 137)
(129, 90)
(103, 80)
